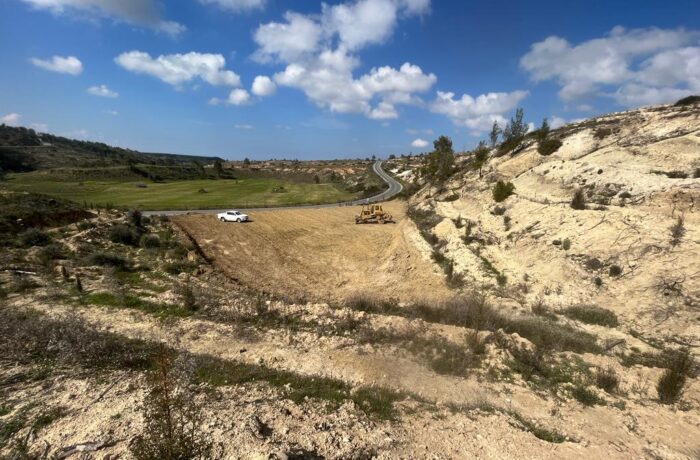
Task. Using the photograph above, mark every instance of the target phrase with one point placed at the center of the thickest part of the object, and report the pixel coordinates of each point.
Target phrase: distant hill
(23, 149)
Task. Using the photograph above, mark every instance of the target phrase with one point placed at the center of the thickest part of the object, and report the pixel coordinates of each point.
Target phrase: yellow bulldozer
(373, 214)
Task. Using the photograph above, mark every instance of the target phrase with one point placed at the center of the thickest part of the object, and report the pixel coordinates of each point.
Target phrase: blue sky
(305, 79)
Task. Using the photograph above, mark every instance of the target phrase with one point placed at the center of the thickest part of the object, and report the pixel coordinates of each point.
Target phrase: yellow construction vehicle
(373, 214)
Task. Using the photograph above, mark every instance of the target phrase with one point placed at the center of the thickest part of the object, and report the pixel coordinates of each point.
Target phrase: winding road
(395, 188)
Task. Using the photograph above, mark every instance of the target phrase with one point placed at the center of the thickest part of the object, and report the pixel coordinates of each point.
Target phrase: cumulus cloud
(102, 91)
(320, 57)
(477, 114)
(11, 119)
(287, 41)
(640, 65)
(139, 12)
(176, 69)
(238, 97)
(237, 5)
(243, 126)
(70, 65)
(263, 86)
(420, 143)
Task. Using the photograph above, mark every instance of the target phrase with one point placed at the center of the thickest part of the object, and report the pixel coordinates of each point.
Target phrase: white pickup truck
(232, 216)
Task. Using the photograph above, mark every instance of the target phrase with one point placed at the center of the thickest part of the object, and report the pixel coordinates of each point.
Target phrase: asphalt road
(395, 187)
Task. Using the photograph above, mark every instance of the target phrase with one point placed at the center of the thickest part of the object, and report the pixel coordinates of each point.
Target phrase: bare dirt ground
(321, 254)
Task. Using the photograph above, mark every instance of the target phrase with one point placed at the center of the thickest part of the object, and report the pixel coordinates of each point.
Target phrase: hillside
(639, 172)
(524, 328)
(23, 149)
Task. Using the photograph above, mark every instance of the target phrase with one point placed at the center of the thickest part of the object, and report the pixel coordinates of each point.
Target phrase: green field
(182, 194)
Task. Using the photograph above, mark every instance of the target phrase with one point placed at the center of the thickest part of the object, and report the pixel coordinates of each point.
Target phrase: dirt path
(321, 254)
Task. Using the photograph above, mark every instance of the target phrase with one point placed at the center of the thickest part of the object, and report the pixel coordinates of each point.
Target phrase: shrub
(548, 146)
(625, 195)
(696, 174)
(586, 396)
(677, 231)
(592, 314)
(135, 218)
(502, 190)
(615, 270)
(566, 244)
(677, 174)
(172, 419)
(607, 379)
(602, 133)
(671, 383)
(149, 241)
(578, 201)
(106, 259)
(498, 210)
(124, 234)
(34, 237)
(53, 251)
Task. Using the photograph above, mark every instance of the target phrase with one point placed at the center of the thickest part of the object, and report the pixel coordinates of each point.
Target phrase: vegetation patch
(592, 314)
(502, 190)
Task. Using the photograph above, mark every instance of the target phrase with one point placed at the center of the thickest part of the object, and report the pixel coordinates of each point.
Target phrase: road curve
(395, 187)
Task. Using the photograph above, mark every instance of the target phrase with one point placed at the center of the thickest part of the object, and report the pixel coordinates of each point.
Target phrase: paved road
(395, 187)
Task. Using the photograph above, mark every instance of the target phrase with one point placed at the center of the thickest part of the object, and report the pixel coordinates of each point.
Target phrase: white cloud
(70, 65)
(177, 69)
(114, 113)
(243, 126)
(263, 86)
(237, 5)
(139, 12)
(102, 91)
(657, 59)
(238, 97)
(556, 122)
(477, 114)
(11, 119)
(319, 53)
(287, 41)
(420, 143)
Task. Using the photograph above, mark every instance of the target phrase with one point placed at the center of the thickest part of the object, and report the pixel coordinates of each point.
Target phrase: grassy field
(183, 194)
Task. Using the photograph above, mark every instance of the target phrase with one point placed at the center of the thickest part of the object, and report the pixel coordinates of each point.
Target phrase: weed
(134, 302)
(607, 379)
(615, 270)
(592, 314)
(106, 259)
(677, 231)
(173, 422)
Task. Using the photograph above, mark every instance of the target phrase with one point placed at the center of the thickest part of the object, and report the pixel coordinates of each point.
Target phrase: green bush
(53, 251)
(592, 314)
(149, 241)
(34, 237)
(548, 146)
(502, 190)
(586, 396)
(124, 234)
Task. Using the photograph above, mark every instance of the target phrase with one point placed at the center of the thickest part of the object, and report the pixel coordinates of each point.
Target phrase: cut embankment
(320, 254)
